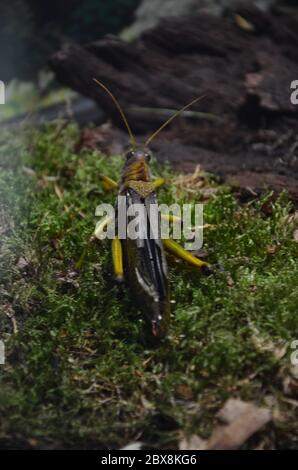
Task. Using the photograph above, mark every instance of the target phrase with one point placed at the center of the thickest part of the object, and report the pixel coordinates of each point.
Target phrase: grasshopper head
(139, 154)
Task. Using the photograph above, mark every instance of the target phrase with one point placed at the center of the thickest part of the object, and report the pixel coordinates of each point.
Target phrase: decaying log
(183, 58)
(245, 69)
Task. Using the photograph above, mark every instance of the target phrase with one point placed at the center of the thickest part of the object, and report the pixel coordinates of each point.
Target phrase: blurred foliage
(23, 98)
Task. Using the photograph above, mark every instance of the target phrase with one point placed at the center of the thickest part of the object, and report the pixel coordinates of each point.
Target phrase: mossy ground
(77, 372)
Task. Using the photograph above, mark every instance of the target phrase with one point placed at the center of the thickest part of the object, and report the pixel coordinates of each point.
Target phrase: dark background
(30, 29)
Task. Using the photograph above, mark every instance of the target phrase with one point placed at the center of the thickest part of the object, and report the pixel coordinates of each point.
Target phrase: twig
(166, 113)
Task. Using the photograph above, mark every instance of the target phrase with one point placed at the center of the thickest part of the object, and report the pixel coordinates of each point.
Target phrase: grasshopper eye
(147, 157)
(130, 154)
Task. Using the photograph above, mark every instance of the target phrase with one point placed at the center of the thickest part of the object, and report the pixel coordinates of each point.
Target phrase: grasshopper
(143, 262)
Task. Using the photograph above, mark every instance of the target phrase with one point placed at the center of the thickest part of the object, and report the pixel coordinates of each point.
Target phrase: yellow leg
(108, 183)
(79, 263)
(117, 259)
(171, 218)
(180, 252)
(158, 183)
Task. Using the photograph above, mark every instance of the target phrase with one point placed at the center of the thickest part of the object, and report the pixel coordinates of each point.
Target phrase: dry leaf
(146, 404)
(58, 192)
(22, 263)
(244, 24)
(185, 392)
(194, 443)
(294, 371)
(133, 446)
(292, 218)
(265, 344)
(28, 171)
(243, 420)
(239, 419)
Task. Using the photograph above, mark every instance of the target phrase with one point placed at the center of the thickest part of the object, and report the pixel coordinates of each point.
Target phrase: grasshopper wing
(146, 263)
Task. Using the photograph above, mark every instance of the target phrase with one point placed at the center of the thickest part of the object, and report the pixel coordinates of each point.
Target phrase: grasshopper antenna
(132, 137)
(171, 119)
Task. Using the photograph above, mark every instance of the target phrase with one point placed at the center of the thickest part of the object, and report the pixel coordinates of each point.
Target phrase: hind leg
(108, 183)
(172, 247)
(99, 229)
(117, 254)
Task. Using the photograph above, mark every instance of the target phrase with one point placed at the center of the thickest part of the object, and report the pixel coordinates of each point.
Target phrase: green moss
(77, 372)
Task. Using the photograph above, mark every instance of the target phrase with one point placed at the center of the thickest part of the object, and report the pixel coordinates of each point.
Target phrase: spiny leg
(117, 255)
(100, 226)
(82, 258)
(158, 183)
(180, 252)
(171, 218)
(108, 183)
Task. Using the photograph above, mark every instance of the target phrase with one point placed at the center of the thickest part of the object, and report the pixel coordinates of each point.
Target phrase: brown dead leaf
(239, 420)
(230, 282)
(185, 392)
(102, 138)
(32, 442)
(271, 249)
(243, 23)
(55, 243)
